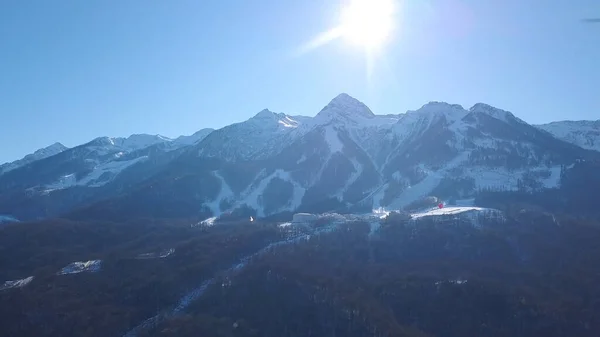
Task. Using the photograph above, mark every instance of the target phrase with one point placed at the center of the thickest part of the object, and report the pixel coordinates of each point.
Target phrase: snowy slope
(16, 283)
(585, 134)
(193, 139)
(80, 267)
(7, 219)
(347, 155)
(107, 145)
(258, 137)
(447, 211)
(46, 152)
(253, 197)
(101, 174)
(445, 149)
(414, 123)
(101, 160)
(369, 131)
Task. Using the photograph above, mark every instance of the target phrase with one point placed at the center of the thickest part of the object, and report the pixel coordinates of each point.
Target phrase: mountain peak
(434, 110)
(54, 148)
(345, 106)
(39, 154)
(493, 112)
(440, 106)
(343, 97)
(265, 113)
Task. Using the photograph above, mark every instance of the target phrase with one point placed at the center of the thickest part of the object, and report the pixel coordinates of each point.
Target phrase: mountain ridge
(345, 157)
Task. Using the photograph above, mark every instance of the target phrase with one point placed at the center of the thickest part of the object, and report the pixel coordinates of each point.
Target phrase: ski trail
(197, 292)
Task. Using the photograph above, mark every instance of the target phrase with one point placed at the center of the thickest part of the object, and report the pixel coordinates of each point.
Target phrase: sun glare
(367, 23)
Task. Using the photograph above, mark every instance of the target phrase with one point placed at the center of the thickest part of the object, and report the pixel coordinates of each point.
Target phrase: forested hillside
(529, 273)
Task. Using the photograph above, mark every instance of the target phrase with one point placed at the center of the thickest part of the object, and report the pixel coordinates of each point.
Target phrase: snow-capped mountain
(100, 168)
(344, 158)
(46, 152)
(585, 134)
(265, 133)
(454, 152)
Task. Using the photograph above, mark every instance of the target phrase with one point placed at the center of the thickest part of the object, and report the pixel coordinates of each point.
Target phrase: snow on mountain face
(105, 145)
(101, 174)
(585, 134)
(344, 157)
(440, 149)
(193, 139)
(46, 152)
(369, 131)
(81, 266)
(446, 150)
(7, 219)
(103, 159)
(496, 113)
(16, 283)
(344, 106)
(350, 112)
(260, 136)
(414, 123)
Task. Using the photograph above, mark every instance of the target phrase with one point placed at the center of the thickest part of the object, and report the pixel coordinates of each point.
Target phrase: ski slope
(448, 211)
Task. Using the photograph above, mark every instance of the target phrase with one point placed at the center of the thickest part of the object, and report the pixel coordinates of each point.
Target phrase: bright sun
(367, 23)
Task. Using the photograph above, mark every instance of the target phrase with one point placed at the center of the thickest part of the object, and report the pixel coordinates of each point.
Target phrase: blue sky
(73, 70)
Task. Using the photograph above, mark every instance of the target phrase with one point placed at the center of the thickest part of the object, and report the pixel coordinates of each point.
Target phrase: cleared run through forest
(197, 292)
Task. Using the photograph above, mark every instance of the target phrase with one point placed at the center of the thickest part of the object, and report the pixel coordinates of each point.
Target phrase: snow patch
(112, 168)
(224, 193)
(7, 218)
(79, 267)
(553, 181)
(288, 122)
(332, 139)
(156, 255)
(425, 186)
(446, 211)
(207, 222)
(302, 159)
(253, 197)
(16, 283)
(66, 181)
(358, 170)
(457, 282)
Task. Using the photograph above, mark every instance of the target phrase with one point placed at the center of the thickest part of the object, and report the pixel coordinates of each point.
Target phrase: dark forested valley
(528, 273)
